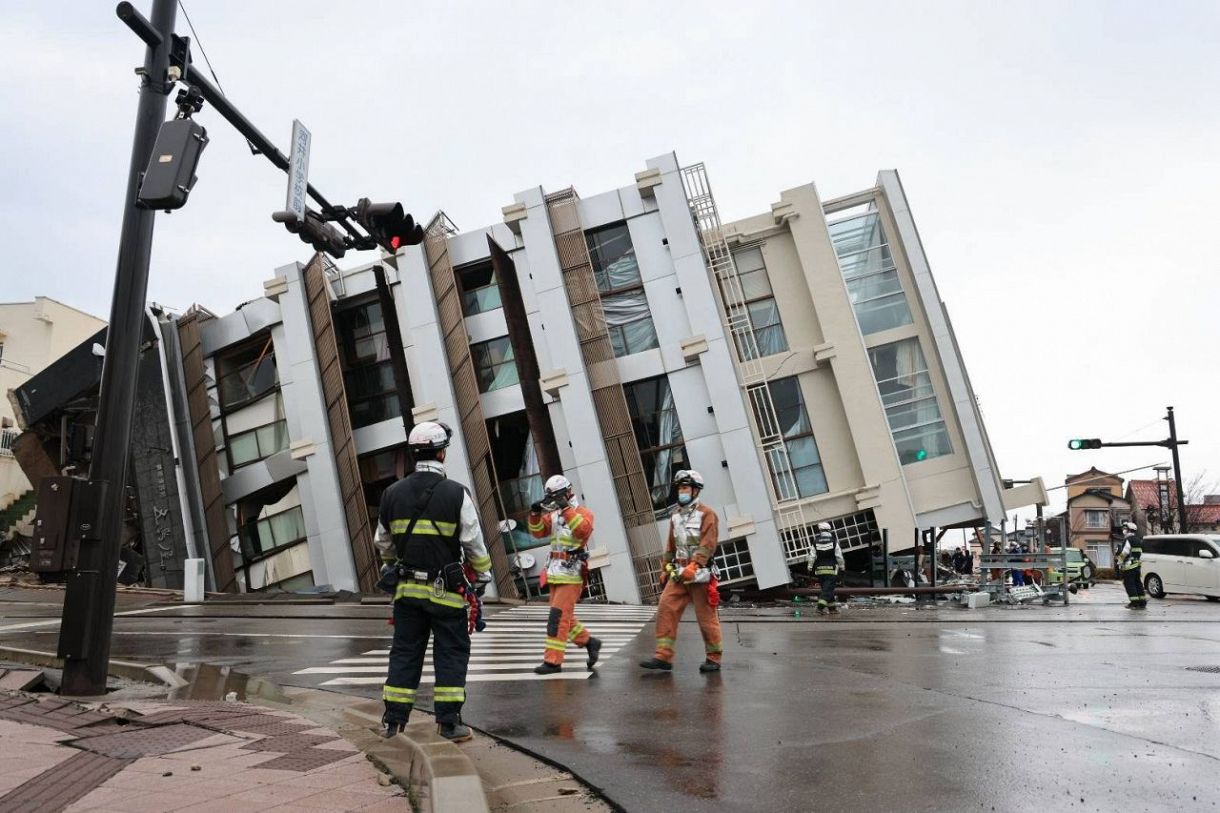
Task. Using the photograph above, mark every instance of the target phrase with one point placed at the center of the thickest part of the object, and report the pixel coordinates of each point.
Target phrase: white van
(1182, 563)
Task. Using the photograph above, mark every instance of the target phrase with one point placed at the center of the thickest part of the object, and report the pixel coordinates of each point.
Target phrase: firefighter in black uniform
(827, 560)
(1129, 565)
(427, 527)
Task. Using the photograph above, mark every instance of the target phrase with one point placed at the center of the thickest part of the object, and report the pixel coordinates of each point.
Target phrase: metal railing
(719, 259)
(8, 437)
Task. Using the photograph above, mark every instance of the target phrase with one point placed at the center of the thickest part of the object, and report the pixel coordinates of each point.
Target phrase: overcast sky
(1061, 160)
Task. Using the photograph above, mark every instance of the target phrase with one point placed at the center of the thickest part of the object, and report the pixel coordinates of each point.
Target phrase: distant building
(1156, 501)
(1095, 511)
(32, 336)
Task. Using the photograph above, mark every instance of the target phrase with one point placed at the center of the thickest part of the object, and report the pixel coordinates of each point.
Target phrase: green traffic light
(1075, 445)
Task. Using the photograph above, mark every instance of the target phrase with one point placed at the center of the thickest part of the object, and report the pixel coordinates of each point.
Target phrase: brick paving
(56, 755)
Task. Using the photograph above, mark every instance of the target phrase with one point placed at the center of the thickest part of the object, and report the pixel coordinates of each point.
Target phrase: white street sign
(298, 170)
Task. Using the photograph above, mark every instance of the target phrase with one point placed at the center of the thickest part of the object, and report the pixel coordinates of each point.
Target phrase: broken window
(628, 319)
(480, 288)
(246, 374)
(517, 471)
(495, 366)
(658, 436)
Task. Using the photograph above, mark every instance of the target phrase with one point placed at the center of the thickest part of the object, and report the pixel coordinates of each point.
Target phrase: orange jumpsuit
(692, 538)
(569, 531)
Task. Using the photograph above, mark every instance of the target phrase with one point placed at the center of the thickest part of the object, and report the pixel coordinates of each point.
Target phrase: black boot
(455, 732)
(657, 663)
(545, 668)
(594, 649)
(393, 725)
(709, 666)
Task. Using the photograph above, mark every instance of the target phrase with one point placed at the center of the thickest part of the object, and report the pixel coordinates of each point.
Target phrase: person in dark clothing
(427, 529)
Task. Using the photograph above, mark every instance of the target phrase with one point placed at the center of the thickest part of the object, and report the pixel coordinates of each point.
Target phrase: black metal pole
(89, 598)
(1177, 471)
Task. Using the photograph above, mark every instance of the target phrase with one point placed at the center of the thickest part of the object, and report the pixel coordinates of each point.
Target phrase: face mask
(684, 499)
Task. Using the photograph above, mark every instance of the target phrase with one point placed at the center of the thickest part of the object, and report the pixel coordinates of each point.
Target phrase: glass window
(368, 372)
(760, 306)
(1175, 546)
(262, 536)
(246, 374)
(1096, 519)
(494, 364)
(910, 401)
(802, 474)
(658, 434)
(257, 444)
(628, 319)
(480, 288)
(868, 270)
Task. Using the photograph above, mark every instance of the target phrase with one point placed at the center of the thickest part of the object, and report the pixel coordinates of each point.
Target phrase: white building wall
(558, 349)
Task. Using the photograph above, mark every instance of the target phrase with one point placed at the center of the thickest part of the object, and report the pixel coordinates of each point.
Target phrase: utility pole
(1177, 470)
(88, 615)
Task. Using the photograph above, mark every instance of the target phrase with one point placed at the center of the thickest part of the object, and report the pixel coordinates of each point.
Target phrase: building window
(617, 274)
(368, 372)
(759, 303)
(803, 475)
(658, 436)
(910, 401)
(246, 374)
(480, 288)
(264, 536)
(1100, 553)
(494, 364)
(733, 561)
(257, 444)
(1096, 519)
(869, 273)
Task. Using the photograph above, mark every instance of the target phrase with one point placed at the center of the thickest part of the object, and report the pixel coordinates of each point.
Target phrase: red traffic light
(388, 224)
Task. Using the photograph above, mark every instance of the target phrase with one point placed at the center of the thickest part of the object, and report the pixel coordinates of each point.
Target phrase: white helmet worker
(557, 486)
(429, 435)
(688, 477)
(823, 528)
(1130, 526)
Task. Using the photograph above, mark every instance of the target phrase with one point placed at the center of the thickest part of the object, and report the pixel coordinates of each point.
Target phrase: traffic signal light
(315, 231)
(388, 224)
(1076, 444)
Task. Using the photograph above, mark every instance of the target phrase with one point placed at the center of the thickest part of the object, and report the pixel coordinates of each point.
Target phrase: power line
(199, 42)
(1110, 474)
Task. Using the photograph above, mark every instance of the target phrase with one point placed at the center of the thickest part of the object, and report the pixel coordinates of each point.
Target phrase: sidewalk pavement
(135, 756)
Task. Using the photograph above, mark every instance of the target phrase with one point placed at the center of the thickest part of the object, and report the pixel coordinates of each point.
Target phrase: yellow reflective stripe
(397, 695)
(449, 694)
(577, 629)
(423, 527)
(665, 641)
(536, 526)
(563, 579)
(557, 644)
(575, 522)
(424, 591)
(712, 649)
(571, 544)
(481, 563)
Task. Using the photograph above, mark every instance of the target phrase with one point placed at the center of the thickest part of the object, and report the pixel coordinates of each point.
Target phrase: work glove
(688, 572)
(536, 507)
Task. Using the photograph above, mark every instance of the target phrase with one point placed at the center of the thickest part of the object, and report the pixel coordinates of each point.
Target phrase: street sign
(298, 170)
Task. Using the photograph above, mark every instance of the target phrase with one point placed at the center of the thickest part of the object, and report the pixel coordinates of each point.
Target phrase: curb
(420, 757)
(130, 670)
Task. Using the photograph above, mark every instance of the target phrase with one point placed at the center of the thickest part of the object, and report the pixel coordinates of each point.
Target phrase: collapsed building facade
(801, 360)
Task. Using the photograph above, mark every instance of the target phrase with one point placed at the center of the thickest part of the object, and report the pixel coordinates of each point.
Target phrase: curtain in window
(629, 322)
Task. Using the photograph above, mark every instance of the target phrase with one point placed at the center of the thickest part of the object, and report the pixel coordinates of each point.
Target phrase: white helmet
(556, 486)
(429, 435)
(1130, 526)
(688, 477)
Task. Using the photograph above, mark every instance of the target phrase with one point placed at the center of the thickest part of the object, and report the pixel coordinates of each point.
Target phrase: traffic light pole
(88, 615)
(1171, 443)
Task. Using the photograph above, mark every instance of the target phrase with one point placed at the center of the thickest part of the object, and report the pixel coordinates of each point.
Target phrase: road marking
(145, 611)
(508, 650)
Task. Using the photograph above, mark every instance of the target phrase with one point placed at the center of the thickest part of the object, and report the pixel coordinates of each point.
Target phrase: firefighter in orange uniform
(688, 576)
(569, 526)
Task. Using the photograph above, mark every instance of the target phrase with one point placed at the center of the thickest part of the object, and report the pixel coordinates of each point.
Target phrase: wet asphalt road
(1090, 707)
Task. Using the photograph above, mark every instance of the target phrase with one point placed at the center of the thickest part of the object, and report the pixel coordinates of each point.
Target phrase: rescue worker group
(436, 566)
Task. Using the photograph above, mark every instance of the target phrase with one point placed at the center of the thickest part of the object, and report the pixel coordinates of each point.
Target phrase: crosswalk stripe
(507, 650)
